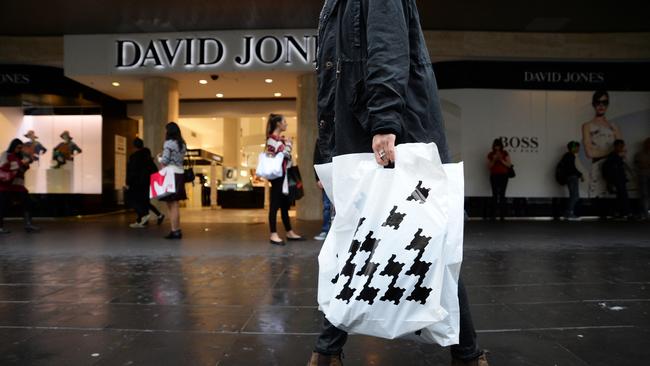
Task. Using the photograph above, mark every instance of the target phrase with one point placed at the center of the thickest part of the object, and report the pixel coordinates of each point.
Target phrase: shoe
(280, 243)
(480, 361)
(32, 229)
(300, 238)
(321, 360)
(144, 220)
(321, 236)
(174, 235)
(137, 225)
(159, 219)
(4, 231)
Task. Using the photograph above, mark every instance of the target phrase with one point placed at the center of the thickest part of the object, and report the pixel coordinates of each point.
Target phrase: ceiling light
(214, 118)
(268, 81)
(219, 95)
(203, 81)
(115, 83)
(278, 94)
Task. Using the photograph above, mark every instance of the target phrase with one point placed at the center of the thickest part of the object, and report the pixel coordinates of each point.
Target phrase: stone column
(310, 207)
(231, 143)
(160, 106)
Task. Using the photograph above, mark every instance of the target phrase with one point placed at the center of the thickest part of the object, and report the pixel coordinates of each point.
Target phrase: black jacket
(138, 170)
(568, 164)
(375, 76)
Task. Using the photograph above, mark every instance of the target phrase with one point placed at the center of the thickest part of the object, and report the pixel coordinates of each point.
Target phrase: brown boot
(321, 360)
(481, 361)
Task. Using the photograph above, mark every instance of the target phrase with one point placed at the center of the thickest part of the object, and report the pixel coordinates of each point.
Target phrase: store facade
(221, 85)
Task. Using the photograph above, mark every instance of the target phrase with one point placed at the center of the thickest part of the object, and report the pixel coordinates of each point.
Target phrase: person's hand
(384, 148)
(320, 185)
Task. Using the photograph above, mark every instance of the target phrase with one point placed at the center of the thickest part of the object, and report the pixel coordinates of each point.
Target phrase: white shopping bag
(269, 167)
(385, 259)
(163, 183)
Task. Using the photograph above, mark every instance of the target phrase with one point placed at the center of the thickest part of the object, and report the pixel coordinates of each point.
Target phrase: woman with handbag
(501, 169)
(278, 144)
(13, 165)
(174, 150)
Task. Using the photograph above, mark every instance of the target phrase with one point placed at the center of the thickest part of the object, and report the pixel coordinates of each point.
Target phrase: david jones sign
(213, 52)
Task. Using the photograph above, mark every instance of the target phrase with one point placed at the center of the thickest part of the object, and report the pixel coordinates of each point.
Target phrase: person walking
(567, 173)
(614, 172)
(173, 154)
(376, 89)
(499, 164)
(13, 165)
(642, 165)
(276, 143)
(138, 172)
(327, 204)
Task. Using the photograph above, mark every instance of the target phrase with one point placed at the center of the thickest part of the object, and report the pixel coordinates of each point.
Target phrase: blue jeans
(327, 213)
(574, 195)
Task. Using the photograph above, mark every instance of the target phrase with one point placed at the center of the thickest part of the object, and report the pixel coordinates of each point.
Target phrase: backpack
(561, 172)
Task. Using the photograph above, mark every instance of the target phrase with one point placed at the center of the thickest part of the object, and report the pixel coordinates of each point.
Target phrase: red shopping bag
(162, 183)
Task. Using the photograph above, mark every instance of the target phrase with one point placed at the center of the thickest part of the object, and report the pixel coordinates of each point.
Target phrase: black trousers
(622, 198)
(281, 202)
(331, 340)
(23, 199)
(499, 183)
(141, 203)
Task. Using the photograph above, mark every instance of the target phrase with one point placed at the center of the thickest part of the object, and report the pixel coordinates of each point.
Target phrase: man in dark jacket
(376, 89)
(567, 173)
(138, 171)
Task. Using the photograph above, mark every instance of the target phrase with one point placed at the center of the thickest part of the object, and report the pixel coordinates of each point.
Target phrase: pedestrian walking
(642, 165)
(614, 172)
(499, 164)
(566, 173)
(277, 143)
(13, 165)
(376, 89)
(173, 154)
(138, 172)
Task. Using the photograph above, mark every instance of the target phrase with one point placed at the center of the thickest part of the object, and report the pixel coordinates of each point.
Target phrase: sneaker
(137, 225)
(32, 229)
(145, 219)
(4, 231)
(321, 236)
(159, 219)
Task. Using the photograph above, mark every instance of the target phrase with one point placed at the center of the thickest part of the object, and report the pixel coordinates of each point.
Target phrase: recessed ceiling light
(268, 81)
(278, 94)
(219, 95)
(203, 81)
(115, 83)
(214, 118)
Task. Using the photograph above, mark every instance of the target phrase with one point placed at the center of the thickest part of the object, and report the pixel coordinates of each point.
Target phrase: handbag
(296, 190)
(188, 173)
(269, 167)
(511, 172)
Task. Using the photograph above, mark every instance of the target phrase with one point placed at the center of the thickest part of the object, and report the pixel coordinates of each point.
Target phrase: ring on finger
(382, 155)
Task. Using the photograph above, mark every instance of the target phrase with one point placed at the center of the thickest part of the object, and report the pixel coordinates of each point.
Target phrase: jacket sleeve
(387, 64)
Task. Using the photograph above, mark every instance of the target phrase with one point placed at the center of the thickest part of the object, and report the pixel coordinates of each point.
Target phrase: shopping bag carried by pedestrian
(296, 190)
(162, 183)
(269, 167)
(389, 266)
